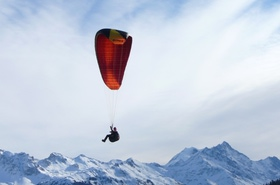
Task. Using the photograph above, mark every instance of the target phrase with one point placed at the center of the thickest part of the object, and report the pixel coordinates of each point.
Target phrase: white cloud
(196, 74)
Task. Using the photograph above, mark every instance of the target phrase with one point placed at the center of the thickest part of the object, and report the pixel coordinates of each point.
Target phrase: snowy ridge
(217, 165)
(58, 169)
(222, 165)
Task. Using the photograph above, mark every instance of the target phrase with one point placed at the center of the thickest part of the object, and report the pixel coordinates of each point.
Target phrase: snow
(210, 166)
(182, 156)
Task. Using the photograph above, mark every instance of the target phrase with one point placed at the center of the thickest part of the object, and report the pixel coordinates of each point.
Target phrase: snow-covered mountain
(221, 165)
(60, 170)
(218, 165)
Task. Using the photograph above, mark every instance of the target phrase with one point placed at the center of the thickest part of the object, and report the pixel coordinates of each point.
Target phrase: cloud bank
(199, 73)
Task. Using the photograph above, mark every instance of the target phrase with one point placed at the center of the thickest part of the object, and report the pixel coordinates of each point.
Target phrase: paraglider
(112, 51)
(112, 48)
(113, 137)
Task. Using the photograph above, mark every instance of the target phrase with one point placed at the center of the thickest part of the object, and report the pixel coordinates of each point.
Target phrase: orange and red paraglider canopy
(112, 49)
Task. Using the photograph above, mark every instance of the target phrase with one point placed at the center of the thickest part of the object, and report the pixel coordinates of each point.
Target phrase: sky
(200, 72)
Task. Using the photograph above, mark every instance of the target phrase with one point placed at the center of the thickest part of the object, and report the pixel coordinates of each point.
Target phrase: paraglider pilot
(114, 136)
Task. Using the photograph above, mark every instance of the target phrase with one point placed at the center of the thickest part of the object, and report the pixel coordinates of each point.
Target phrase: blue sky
(200, 73)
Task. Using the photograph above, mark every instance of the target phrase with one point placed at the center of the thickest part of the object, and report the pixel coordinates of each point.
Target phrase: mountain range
(219, 165)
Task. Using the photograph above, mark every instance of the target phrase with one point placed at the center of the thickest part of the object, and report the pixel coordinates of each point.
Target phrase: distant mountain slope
(58, 169)
(218, 165)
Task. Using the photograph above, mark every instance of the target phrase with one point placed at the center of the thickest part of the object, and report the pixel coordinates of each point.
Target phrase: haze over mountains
(217, 165)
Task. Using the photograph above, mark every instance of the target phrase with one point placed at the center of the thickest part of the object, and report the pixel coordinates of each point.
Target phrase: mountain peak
(225, 144)
(182, 156)
(223, 152)
(57, 157)
(5, 153)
